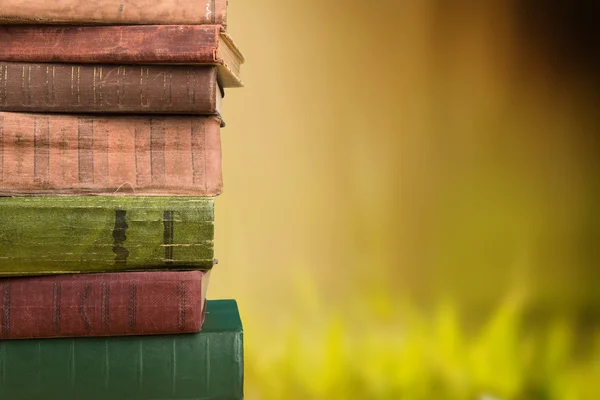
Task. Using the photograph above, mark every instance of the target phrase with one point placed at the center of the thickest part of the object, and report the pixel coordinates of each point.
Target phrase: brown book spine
(123, 12)
(109, 155)
(183, 44)
(110, 304)
(88, 88)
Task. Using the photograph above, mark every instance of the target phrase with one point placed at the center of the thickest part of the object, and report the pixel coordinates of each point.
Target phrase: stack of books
(110, 160)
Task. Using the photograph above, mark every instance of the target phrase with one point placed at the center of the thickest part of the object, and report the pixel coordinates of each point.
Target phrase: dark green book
(202, 366)
(53, 235)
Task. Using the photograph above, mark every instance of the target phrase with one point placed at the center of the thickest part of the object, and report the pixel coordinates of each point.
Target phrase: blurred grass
(385, 155)
(415, 357)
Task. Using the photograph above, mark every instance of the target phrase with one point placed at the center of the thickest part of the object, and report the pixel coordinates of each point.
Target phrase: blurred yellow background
(411, 200)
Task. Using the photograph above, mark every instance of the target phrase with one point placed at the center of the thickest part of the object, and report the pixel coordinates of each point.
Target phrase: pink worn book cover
(109, 155)
(114, 12)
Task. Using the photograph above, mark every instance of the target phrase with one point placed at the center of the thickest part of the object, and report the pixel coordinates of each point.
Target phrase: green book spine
(203, 366)
(71, 234)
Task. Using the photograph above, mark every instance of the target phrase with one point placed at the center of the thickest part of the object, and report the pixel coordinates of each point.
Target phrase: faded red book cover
(134, 44)
(110, 304)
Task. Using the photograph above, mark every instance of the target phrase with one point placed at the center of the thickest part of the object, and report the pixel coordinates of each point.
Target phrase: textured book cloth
(121, 12)
(199, 366)
(90, 88)
(148, 44)
(52, 154)
(110, 304)
(56, 235)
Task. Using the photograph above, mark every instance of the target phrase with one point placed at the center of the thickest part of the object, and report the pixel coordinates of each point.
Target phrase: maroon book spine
(119, 89)
(185, 44)
(111, 304)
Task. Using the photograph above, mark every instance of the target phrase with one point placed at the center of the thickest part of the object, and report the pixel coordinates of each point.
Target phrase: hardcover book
(110, 304)
(147, 44)
(58, 154)
(72, 234)
(114, 12)
(206, 365)
(88, 88)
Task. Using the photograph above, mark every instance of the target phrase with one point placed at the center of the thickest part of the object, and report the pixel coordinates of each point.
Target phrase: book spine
(123, 12)
(113, 304)
(205, 365)
(73, 155)
(38, 87)
(72, 234)
(183, 44)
